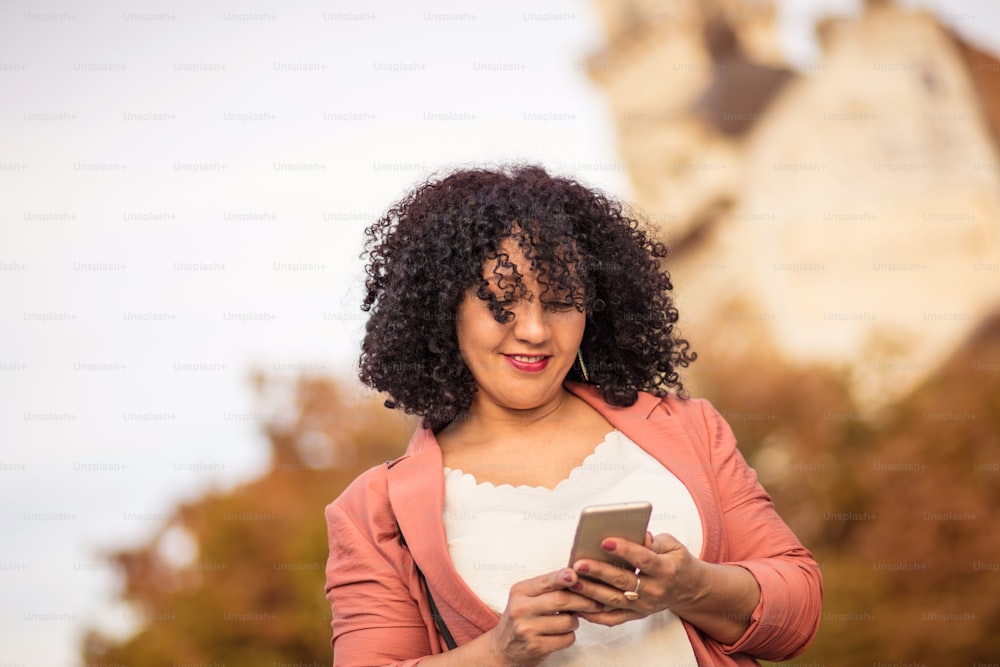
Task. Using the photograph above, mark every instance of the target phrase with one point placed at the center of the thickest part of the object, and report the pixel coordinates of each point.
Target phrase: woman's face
(521, 364)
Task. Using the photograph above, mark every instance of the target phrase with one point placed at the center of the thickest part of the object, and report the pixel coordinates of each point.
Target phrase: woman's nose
(530, 321)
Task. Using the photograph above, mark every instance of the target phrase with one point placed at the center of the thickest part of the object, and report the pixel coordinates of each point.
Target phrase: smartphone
(597, 522)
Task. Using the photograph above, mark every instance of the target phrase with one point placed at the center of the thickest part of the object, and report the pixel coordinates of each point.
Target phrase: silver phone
(597, 522)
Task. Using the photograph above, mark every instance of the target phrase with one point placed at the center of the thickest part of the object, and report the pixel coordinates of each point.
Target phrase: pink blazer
(380, 614)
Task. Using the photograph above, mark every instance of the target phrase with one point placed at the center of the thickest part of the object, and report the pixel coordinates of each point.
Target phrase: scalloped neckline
(605, 443)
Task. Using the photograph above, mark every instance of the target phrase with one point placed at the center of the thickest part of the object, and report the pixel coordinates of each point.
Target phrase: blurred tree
(237, 577)
(900, 508)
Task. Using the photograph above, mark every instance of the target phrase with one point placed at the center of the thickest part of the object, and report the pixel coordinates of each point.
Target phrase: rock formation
(846, 216)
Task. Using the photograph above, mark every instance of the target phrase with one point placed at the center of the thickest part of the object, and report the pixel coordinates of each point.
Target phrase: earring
(583, 366)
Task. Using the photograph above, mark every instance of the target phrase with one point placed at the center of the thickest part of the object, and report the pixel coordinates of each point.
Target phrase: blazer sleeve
(374, 615)
(787, 617)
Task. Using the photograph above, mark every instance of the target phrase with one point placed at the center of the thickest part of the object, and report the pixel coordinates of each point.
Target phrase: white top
(499, 535)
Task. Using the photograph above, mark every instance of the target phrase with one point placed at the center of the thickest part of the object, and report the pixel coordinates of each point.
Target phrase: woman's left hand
(669, 577)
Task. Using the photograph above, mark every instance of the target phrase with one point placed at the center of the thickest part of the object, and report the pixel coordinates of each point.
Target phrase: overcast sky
(183, 189)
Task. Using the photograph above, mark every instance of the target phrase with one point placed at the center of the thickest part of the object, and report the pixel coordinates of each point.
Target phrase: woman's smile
(528, 363)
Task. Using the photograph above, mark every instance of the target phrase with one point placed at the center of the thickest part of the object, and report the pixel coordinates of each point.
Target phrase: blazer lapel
(416, 493)
(650, 423)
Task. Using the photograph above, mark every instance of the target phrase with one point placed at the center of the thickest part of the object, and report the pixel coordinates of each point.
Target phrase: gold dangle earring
(583, 366)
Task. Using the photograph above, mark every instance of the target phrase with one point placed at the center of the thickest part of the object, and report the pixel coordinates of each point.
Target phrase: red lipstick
(528, 366)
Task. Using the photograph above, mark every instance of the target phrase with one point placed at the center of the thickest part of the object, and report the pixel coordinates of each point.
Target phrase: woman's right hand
(539, 619)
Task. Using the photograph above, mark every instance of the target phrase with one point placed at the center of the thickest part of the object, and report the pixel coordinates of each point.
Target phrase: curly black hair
(430, 248)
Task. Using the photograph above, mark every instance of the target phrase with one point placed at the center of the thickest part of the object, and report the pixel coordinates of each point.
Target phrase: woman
(528, 320)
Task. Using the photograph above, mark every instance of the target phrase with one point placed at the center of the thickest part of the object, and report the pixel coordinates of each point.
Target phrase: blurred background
(183, 189)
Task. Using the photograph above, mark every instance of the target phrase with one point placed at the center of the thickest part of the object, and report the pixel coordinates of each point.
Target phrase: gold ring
(632, 596)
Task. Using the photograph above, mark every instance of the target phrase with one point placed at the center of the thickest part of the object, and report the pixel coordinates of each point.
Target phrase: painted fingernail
(583, 567)
(568, 576)
(576, 587)
(608, 545)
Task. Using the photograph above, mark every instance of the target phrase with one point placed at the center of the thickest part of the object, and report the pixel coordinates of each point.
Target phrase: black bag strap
(435, 613)
(438, 618)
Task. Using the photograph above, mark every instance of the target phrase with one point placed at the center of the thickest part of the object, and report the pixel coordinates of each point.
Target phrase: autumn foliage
(253, 595)
(899, 507)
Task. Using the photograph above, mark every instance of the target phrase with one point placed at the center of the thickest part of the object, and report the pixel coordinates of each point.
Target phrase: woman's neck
(534, 447)
(489, 420)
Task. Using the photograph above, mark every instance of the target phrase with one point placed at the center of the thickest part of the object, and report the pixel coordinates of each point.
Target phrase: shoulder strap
(435, 613)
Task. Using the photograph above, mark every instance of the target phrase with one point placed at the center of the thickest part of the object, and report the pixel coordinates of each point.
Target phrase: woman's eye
(561, 306)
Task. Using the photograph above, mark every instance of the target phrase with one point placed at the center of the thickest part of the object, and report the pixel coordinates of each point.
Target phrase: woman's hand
(540, 618)
(669, 577)
(718, 599)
